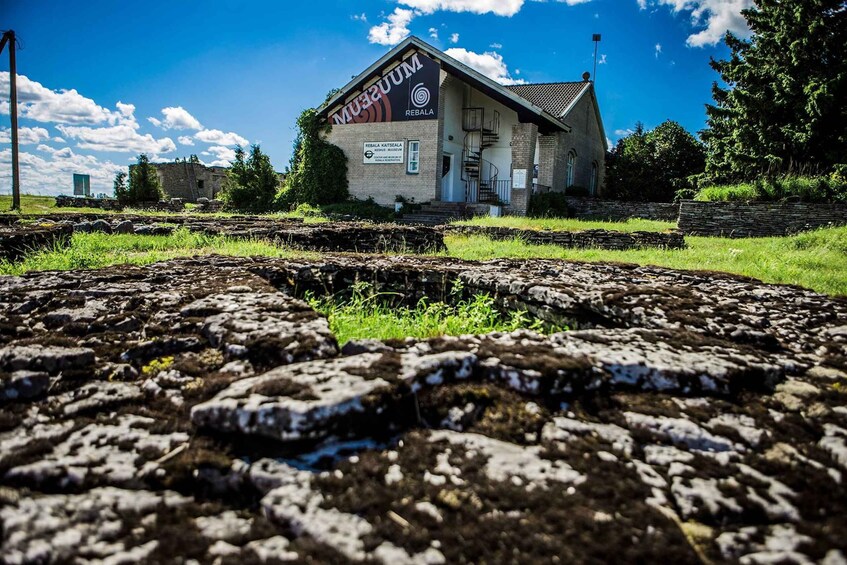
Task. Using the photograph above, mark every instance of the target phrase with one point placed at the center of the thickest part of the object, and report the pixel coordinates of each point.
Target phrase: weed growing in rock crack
(369, 315)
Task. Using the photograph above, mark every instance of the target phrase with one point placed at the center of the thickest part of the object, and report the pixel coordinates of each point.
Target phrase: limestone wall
(757, 219)
(614, 210)
(602, 239)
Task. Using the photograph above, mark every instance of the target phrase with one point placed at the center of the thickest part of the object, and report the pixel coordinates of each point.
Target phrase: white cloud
(222, 154)
(499, 7)
(26, 136)
(176, 118)
(360, 17)
(624, 132)
(394, 30)
(218, 137)
(496, 46)
(602, 60)
(122, 138)
(36, 102)
(185, 140)
(433, 33)
(490, 64)
(658, 50)
(715, 16)
(53, 174)
(454, 38)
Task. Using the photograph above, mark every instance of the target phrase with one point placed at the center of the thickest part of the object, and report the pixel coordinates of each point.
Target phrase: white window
(593, 185)
(571, 168)
(413, 165)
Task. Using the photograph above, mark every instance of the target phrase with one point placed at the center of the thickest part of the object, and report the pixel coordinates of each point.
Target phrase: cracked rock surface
(199, 411)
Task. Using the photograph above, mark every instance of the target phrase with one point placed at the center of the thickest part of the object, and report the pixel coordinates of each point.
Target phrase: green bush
(144, 185)
(318, 172)
(548, 205)
(804, 189)
(251, 183)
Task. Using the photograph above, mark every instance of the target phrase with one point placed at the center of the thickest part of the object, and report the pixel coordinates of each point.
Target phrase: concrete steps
(435, 214)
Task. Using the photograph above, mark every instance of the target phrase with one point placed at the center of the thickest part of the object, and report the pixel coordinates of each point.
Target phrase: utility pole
(9, 37)
(596, 39)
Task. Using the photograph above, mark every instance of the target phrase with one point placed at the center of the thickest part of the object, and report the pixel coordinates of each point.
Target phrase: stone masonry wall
(614, 210)
(757, 219)
(602, 239)
(552, 160)
(524, 137)
(384, 182)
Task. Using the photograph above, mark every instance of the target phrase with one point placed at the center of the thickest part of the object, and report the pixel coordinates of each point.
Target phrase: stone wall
(17, 242)
(384, 182)
(602, 239)
(587, 141)
(189, 181)
(757, 219)
(615, 210)
(524, 140)
(63, 201)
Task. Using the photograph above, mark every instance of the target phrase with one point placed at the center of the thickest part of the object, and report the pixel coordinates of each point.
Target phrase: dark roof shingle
(552, 97)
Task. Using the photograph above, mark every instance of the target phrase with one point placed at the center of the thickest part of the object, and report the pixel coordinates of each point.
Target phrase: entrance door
(447, 185)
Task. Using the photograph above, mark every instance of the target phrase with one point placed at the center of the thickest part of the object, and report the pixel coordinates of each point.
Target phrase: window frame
(592, 183)
(413, 157)
(570, 171)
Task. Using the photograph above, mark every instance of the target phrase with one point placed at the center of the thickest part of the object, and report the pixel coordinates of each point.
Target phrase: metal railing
(501, 188)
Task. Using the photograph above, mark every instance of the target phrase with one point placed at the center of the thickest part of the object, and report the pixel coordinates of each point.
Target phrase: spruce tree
(251, 184)
(784, 106)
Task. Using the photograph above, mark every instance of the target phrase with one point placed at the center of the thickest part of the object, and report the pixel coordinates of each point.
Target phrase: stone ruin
(199, 411)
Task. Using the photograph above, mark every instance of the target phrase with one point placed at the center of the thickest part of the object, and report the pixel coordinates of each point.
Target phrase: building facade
(189, 181)
(421, 125)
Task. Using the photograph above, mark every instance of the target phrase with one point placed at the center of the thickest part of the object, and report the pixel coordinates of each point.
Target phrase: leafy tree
(251, 182)
(653, 165)
(144, 185)
(784, 107)
(318, 171)
(120, 186)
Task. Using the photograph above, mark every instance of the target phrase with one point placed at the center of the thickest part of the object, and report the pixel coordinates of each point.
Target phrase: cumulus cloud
(176, 118)
(454, 38)
(53, 173)
(121, 138)
(658, 50)
(185, 140)
(223, 155)
(433, 33)
(218, 137)
(394, 30)
(360, 17)
(26, 136)
(490, 64)
(39, 103)
(499, 7)
(624, 132)
(715, 17)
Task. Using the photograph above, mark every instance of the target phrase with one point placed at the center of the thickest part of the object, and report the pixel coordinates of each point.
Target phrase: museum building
(424, 126)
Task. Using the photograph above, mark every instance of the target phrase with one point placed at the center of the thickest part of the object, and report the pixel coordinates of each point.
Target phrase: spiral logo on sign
(420, 95)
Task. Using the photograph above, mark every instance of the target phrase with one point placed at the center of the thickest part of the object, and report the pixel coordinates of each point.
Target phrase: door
(447, 184)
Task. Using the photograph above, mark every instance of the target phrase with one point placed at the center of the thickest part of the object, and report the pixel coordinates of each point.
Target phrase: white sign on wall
(519, 178)
(382, 152)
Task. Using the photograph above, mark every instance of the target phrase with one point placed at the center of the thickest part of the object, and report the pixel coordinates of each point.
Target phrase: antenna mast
(9, 37)
(596, 39)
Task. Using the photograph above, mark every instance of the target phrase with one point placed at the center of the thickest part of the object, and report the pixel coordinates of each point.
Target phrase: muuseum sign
(382, 152)
(407, 92)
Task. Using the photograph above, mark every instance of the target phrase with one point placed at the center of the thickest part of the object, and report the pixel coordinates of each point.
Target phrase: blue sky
(102, 81)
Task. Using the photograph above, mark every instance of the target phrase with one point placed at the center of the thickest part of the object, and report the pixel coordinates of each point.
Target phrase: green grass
(815, 260)
(44, 205)
(805, 188)
(94, 250)
(371, 315)
(567, 224)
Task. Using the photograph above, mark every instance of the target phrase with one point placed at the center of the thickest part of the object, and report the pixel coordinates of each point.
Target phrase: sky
(101, 81)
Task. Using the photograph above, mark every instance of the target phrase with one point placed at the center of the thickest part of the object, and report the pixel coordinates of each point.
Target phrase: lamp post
(9, 37)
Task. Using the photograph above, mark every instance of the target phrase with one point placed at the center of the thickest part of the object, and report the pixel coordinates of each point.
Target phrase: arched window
(571, 168)
(592, 187)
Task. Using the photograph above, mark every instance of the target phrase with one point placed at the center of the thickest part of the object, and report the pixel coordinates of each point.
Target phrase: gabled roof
(555, 97)
(526, 109)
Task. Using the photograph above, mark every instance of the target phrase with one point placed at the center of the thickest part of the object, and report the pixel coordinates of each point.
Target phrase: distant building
(189, 181)
(420, 124)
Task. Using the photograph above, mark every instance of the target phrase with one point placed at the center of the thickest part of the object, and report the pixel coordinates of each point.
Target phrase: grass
(815, 260)
(95, 250)
(43, 205)
(804, 188)
(371, 315)
(567, 224)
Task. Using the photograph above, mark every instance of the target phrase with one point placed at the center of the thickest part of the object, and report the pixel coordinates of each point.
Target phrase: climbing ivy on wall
(318, 170)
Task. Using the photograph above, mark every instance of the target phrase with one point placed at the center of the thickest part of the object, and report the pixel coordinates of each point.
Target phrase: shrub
(360, 209)
(251, 184)
(548, 205)
(318, 169)
(805, 189)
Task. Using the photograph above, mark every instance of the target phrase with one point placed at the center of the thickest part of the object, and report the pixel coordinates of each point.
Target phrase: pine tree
(251, 184)
(784, 106)
(120, 186)
(144, 185)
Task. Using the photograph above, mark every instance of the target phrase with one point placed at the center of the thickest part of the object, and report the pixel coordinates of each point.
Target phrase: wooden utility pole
(9, 37)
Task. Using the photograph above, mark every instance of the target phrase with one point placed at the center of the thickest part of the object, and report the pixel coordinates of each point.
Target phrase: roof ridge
(548, 83)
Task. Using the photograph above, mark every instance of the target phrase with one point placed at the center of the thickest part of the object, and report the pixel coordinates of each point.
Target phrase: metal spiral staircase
(479, 174)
